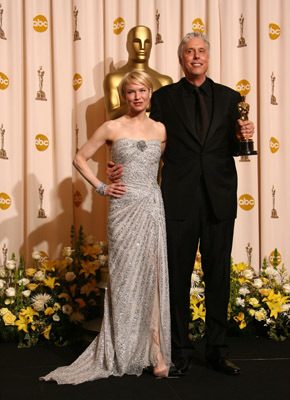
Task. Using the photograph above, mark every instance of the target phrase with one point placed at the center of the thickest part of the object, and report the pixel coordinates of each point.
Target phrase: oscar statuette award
(41, 212)
(246, 146)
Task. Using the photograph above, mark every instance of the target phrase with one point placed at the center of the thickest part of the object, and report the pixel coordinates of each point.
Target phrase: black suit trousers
(214, 237)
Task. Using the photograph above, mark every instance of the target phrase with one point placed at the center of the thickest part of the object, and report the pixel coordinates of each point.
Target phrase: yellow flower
(89, 287)
(252, 312)
(240, 267)
(30, 271)
(254, 302)
(274, 302)
(49, 311)
(81, 303)
(241, 318)
(28, 313)
(265, 281)
(32, 286)
(46, 332)
(49, 265)
(198, 311)
(89, 267)
(56, 306)
(9, 318)
(64, 296)
(22, 323)
(50, 282)
(265, 292)
(89, 251)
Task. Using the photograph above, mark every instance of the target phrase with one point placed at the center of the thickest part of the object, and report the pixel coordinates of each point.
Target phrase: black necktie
(201, 115)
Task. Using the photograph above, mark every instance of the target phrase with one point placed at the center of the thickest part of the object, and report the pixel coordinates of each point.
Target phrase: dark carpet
(265, 375)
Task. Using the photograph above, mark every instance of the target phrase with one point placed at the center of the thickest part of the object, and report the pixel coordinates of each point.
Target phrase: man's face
(194, 60)
(139, 44)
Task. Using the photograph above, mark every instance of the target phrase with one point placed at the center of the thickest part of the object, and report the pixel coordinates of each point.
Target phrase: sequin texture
(136, 304)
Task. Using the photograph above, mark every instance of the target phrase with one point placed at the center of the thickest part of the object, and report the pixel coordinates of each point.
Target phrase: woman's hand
(116, 189)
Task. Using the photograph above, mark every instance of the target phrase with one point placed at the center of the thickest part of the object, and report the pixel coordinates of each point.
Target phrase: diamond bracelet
(101, 188)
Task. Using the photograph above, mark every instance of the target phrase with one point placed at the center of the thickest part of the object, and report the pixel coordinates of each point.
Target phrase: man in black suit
(199, 185)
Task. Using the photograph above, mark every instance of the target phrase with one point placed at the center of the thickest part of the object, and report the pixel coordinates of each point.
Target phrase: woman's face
(137, 96)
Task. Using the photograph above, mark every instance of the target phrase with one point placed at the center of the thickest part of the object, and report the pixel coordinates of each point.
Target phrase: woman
(135, 331)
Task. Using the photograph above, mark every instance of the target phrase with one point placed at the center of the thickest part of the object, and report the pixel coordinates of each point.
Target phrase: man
(199, 184)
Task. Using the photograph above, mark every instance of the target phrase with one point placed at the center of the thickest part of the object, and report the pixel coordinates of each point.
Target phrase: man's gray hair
(191, 35)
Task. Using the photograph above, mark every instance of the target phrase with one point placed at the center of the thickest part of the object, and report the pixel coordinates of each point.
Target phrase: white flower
(39, 276)
(11, 264)
(286, 288)
(2, 272)
(69, 260)
(2, 284)
(56, 317)
(195, 278)
(243, 291)
(261, 314)
(39, 301)
(251, 312)
(248, 274)
(240, 302)
(67, 251)
(285, 307)
(10, 292)
(196, 291)
(253, 301)
(258, 283)
(103, 258)
(36, 255)
(70, 276)
(67, 309)
(8, 301)
(76, 317)
(90, 240)
(26, 293)
(269, 321)
(23, 281)
(271, 271)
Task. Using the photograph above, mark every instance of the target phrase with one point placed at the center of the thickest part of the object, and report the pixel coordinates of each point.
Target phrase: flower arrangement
(49, 300)
(258, 304)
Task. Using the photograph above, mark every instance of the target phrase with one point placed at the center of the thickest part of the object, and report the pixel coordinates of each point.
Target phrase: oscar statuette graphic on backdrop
(40, 95)
(2, 33)
(41, 212)
(158, 35)
(3, 154)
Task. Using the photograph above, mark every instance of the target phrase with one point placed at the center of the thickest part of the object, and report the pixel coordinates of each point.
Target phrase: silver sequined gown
(136, 309)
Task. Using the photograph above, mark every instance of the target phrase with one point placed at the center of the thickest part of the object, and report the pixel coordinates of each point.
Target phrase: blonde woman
(135, 332)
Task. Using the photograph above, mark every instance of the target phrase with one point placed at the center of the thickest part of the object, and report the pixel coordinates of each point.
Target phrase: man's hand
(114, 172)
(244, 129)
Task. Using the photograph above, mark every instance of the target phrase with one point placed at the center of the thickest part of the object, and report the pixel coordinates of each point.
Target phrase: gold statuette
(246, 145)
(2, 33)
(274, 211)
(3, 154)
(41, 212)
(40, 95)
(242, 40)
(76, 32)
(158, 35)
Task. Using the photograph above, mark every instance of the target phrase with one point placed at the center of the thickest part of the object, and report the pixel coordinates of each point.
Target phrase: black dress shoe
(225, 366)
(182, 365)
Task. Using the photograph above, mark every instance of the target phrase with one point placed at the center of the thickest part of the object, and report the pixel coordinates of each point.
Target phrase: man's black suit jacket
(186, 160)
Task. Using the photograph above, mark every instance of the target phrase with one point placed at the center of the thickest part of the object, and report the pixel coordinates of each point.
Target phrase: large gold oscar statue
(139, 44)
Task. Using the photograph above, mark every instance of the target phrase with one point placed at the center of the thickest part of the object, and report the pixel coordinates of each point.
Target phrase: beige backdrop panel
(77, 43)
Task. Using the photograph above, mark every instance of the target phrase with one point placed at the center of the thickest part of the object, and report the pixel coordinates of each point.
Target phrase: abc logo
(77, 199)
(274, 31)
(4, 81)
(271, 258)
(77, 81)
(118, 25)
(246, 202)
(274, 145)
(5, 201)
(198, 25)
(41, 142)
(40, 23)
(243, 87)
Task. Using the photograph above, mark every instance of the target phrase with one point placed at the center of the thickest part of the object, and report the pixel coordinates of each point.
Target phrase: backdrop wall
(54, 56)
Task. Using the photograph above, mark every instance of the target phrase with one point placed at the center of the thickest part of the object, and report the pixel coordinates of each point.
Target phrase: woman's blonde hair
(135, 76)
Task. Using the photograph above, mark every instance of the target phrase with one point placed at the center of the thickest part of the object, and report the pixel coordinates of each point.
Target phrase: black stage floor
(265, 375)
